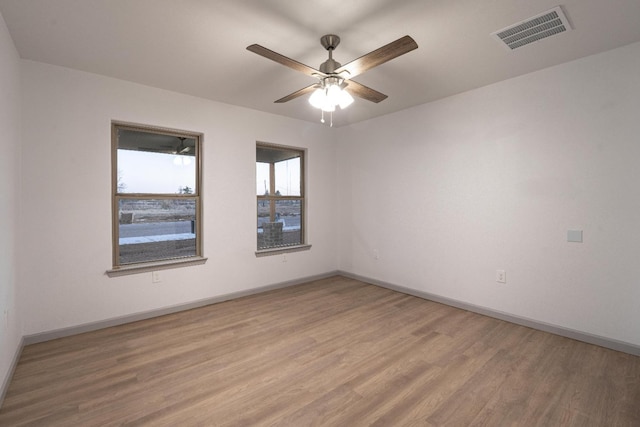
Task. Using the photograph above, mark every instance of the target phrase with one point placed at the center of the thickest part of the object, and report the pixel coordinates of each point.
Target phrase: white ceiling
(198, 47)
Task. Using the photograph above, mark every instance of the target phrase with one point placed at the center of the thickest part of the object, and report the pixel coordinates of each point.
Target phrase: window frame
(272, 198)
(146, 266)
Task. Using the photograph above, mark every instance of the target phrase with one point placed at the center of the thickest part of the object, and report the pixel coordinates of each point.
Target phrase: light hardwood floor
(335, 352)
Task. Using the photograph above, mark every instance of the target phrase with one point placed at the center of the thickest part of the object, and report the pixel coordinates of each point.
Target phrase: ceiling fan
(164, 144)
(334, 86)
(182, 148)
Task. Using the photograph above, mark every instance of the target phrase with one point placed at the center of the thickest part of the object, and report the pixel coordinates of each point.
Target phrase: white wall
(66, 202)
(450, 191)
(10, 323)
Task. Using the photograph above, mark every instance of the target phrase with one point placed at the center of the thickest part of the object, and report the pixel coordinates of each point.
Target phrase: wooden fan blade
(365, 92)
(297, 94)
(379, 56)
(287, 62)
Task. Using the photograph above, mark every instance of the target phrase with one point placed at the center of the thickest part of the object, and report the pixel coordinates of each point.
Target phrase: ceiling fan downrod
(330, 42)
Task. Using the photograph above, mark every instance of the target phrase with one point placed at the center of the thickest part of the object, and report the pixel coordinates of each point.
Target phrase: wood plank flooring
(334, 352)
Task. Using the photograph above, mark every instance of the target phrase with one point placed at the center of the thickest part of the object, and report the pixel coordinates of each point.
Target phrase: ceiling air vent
(533, 29)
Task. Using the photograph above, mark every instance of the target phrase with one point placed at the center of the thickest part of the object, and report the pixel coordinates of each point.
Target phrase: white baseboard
(12, 369)
(612, 344)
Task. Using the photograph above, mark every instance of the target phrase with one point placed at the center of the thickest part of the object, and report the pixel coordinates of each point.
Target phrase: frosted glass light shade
(345, 99)
(317, 98)
(333, 93)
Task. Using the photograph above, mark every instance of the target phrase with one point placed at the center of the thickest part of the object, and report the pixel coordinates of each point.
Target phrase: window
(281, 200)
(156, 198)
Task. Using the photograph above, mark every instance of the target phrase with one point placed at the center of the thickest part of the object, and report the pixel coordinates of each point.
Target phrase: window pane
(154, 163)
(288, 177)
(283, 230)
(280, 192)
(156, 229)
(264, 209)
(263, 182)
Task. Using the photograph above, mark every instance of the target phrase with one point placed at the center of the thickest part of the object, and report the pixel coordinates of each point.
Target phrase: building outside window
(280, 197)
(157, 200)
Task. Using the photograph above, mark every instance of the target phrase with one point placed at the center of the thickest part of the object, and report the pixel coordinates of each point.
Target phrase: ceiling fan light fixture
(329, 95)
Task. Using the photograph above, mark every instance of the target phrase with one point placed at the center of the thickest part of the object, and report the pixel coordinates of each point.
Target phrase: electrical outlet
(155, 277)
(284, 257)
(501, 276)
(376, 254)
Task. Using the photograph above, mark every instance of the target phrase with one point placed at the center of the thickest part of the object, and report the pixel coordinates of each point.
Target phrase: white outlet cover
(574, 236)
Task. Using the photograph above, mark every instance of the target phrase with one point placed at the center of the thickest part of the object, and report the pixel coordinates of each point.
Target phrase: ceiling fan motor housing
(330, 42)
(329, 66)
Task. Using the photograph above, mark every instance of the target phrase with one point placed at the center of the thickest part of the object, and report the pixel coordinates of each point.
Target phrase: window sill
(282, 250)
(154, 266)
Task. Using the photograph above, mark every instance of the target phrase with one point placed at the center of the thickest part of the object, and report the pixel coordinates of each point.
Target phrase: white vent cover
(533, 29)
